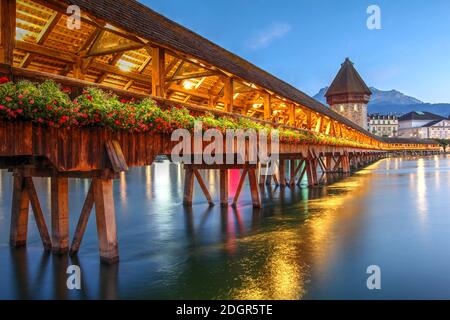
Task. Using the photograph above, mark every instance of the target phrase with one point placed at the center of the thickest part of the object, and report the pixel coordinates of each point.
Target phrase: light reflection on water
(304, 244)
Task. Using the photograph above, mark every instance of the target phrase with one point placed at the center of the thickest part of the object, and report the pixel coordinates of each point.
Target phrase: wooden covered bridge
(124, 47)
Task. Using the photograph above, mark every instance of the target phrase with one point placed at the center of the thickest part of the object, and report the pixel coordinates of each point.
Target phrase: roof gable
(420, 115)
(347, 81)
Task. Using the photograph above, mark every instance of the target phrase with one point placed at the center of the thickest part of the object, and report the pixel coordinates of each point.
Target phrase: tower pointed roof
(347, 81)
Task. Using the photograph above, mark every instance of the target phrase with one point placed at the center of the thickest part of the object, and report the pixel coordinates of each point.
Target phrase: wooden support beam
(203, 187)
(113, 62)
(188, 185)
(292, 114)
(302, 174)
(38, 215)
(19, 213)
(292, 173)
(83, 221)
(223, 187)
(228, 94)
(282, 172)
(158, 72)
(45, 33)
(240, 185)
(267, 106)
(192, 76)
(106, 220)
(116, 156)
(254, 190)
(60, 214)
(73, 59)
(7, 31)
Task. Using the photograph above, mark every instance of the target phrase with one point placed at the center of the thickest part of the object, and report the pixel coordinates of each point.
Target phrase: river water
(304, 244)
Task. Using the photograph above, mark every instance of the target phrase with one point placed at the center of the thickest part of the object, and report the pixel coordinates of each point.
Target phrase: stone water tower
(348, 95)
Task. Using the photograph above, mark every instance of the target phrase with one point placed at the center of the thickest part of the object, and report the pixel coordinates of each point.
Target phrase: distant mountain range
(395, 102)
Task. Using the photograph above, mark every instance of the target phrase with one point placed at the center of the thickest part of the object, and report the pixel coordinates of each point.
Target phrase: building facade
(383, 125)
(424, 125)
(348, 95)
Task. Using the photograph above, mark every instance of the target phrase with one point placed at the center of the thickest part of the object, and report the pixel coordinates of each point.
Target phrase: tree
(443, 143)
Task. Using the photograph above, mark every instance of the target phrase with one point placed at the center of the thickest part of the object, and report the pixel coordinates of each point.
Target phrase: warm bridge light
(188, 85)
(21, 34)
(125, 65)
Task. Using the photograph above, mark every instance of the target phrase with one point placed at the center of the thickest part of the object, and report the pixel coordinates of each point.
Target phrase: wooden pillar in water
(24, 194)
(256, 199)
(282, 171)
(106, 220)
(292, 172)
(224, 187)
(188, 185)
(19, 213)
(60, 214)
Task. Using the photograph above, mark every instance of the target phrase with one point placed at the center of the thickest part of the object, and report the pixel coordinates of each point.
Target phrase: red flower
(19, 111)
(4, 80)
(89, 98)
(8, 99)
(2, 107)
(31, 101)
(20, 96)
(118, 122)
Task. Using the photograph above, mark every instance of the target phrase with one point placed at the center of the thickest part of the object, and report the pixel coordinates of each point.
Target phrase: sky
(304, 42)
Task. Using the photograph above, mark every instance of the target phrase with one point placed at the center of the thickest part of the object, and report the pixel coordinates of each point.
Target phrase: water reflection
(304, 243)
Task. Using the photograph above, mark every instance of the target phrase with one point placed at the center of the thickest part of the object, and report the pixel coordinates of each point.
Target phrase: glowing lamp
(125, 65)
(188, 85)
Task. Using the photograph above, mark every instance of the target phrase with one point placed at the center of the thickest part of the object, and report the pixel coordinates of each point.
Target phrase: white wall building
(383, 125)
(424, 125)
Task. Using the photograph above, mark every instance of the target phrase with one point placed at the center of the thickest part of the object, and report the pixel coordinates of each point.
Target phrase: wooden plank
(282, 172)
(267, 106)
(106, 220)
(256, 199)
(45, 33)
(38, 215)
(223, 187)
(116, 156)
(228, 94)
(158, 72)
(240, 185)
(203, 187)
(60, 214)
(7, 31)
(188, 185)
(19, 213)
(83, 220)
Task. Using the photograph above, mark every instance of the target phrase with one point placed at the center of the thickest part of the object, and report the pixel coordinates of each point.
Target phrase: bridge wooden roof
(120, 46)
(150, 25)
